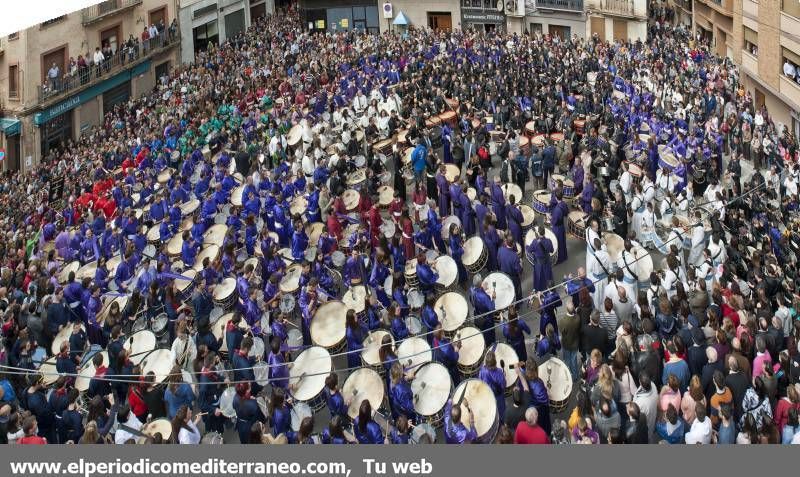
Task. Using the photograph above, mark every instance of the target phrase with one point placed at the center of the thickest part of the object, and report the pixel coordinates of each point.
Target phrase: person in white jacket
(700, 432)
(598, 266)
(183, 350)
(646, 397)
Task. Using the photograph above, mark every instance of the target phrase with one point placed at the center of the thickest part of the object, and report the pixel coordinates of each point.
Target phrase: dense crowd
(345, 237)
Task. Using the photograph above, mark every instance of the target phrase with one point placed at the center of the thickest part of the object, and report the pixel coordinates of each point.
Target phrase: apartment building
(60, 77)
(768, 50)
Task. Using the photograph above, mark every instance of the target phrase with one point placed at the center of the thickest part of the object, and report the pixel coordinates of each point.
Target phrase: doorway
(760, 98)
(440, 21)
(598, 25)
(620, 30)
(560, 31)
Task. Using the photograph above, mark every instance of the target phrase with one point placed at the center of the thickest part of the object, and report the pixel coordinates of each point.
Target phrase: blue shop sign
(10, 126)
(90, 93)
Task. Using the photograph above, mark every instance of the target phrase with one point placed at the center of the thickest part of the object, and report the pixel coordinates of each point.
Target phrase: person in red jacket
(529, 431)
(127, 164)
(143, 153)
(30, 427)
(110, 208)
(136, 400)
(86, 200)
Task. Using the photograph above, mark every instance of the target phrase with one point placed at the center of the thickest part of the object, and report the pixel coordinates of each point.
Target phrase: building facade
(763, 38)
(562, 18)
(206, 22)
(614, 20)
(59, 78)
(766, 42)
(342, 15)
(435, 14)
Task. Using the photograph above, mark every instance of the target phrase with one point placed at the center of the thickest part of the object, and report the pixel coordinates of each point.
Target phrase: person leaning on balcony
(98, 60)
(145, 38)
(789, 69)
(52, 76)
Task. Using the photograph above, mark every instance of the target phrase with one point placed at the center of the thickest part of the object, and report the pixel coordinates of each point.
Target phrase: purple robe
(560, 212)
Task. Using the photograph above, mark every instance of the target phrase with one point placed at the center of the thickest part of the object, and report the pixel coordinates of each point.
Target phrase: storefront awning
(400, 19)
(10, 126)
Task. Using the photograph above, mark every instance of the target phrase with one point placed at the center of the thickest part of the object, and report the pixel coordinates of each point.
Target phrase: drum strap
(605, 270)
(627, 267)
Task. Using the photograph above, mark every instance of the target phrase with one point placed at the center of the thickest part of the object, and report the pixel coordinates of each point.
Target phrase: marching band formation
(296, 227)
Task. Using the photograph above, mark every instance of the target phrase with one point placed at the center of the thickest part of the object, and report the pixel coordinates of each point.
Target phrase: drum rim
(440, 368)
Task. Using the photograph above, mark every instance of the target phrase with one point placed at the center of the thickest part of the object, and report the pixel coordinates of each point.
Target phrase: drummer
(457, 251)
(401, 398)
(210, 384)
(559, 213)
(541, 249)
(445, 351)
(426, 274)
(510, 264)
(248, 412)
(483, 309)
(455, 432)
(242, 364)
(430, 319)
(337, 404)
(356, 333)
(495, 378)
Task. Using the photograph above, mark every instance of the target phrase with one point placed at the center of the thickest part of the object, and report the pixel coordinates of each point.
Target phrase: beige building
(47, 98)
(769, 55)
(617, 19)
(763, 37)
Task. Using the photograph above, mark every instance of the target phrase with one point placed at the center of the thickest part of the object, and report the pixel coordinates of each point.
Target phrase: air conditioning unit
(515, 8)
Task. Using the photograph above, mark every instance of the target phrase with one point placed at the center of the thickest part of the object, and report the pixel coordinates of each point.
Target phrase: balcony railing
(684, 4)
(124, 57)
(104, 9)
(617, 7)
(563, 5)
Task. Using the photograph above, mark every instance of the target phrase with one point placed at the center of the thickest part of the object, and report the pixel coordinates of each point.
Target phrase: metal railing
(618, 7)
(566, 5)
(123, 58)
(685, 4)
(109, 7)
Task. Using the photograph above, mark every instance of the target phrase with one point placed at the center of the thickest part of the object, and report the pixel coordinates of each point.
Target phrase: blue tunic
(457, 433)
(559, 214)
(496, 379)
(540, 249)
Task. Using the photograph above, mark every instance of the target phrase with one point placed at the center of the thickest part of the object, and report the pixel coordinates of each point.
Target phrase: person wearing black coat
(71, 428)
(593, 336)
(636, 426)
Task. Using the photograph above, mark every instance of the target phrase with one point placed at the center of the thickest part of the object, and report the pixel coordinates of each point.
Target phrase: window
(162, 70)
(790, 67)
(158, 16)
(750, 41)
(791, 7)
(204, 11)
(205, 35)
(13, 81)
(536, 28)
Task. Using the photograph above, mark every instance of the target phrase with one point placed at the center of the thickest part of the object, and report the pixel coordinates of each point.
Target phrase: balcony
(790, 89)
(685, 5)
(791, 7)
(560, 5)
(723, 6)
(750, 62)
(90, 74)
(617, 7)
(97, 12)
